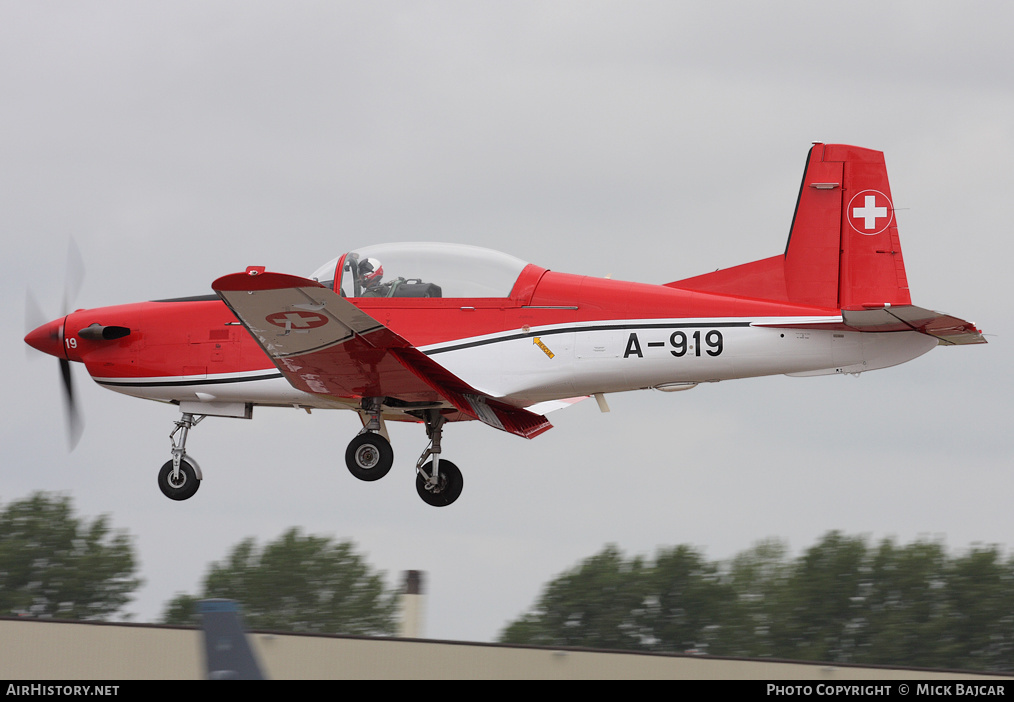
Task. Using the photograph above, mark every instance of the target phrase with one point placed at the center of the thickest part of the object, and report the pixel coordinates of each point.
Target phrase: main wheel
(181, 488)
(448, 487)
(369, 456)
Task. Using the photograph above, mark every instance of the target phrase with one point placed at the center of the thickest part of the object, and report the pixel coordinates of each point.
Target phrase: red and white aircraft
(436, 333)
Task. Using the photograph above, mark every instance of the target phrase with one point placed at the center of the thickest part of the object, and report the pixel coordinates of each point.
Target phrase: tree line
(843, 600)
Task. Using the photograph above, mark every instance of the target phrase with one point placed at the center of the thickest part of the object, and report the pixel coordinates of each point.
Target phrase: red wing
(325, 345)
(471, 402)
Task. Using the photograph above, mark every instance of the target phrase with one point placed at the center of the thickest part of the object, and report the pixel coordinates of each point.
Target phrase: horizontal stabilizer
(948, 330)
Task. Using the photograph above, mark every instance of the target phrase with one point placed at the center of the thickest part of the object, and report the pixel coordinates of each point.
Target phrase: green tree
(906, 606)
(689, 602)
(820, 614)
(757, 578)
(297, 583)
(53, 564)
(599, 604)
(609, 601)
(980, 610)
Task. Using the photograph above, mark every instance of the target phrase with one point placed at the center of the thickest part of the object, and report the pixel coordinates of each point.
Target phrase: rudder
(872, 266)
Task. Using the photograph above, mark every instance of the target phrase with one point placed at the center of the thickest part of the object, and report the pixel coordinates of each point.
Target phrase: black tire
(186, 485)
(369, 456)
(448, 489)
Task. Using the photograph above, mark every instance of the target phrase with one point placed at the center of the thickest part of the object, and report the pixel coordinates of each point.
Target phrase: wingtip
(255, 278)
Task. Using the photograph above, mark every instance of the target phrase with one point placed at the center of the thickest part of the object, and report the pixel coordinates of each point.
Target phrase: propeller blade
(34, 317)
(74, 424)
(72, 286)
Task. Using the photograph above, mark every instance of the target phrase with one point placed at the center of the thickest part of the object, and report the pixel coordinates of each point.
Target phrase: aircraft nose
(48, 338)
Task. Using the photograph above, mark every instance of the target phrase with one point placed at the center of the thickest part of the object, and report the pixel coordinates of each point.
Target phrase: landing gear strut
(438, 483)
(369, 455)
(180, 477)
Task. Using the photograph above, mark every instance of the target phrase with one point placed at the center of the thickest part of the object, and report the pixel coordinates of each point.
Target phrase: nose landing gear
(180, 477)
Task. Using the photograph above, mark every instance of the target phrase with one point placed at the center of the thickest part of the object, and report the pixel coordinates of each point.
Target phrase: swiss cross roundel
(297, 319)
(870, 212)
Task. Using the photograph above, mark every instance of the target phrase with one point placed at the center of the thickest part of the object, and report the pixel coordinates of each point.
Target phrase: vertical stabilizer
(843, 249)
(227, 653)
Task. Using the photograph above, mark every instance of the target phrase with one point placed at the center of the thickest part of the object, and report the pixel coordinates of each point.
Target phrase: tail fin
(843, 250)
(227, 653)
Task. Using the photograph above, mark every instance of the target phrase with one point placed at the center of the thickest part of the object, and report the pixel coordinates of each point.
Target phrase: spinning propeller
(48, 337)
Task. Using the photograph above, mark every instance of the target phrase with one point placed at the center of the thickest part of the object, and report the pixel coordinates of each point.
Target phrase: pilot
(371, 273)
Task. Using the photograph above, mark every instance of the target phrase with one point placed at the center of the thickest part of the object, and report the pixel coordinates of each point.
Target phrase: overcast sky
(178, 142)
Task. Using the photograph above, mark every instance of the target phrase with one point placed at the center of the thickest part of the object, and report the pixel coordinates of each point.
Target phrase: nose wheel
(178, 483)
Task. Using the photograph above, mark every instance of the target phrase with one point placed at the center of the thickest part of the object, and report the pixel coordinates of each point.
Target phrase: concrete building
(41, 649)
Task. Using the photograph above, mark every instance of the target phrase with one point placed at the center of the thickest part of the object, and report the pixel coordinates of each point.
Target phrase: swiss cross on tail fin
(869, 212)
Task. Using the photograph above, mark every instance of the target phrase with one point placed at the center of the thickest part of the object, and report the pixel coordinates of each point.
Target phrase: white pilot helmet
(370, 271)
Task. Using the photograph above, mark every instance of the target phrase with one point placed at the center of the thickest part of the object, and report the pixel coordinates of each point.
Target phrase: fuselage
(556, 336)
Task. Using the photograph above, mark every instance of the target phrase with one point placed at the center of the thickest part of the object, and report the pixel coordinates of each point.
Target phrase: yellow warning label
(545, 349)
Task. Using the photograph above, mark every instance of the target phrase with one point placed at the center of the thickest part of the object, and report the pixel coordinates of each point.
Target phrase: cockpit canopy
(422, 270)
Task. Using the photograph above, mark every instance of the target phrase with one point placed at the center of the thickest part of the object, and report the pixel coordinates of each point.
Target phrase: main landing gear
(180, 477)
(370, 457)
(438, 482)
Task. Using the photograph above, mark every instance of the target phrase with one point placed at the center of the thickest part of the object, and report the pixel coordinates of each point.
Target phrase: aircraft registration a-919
(437, 333)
